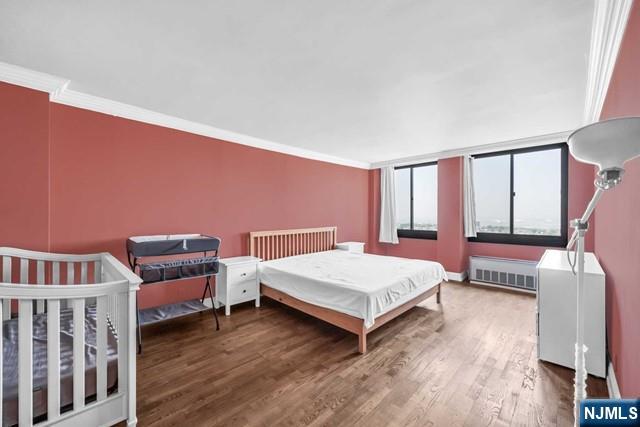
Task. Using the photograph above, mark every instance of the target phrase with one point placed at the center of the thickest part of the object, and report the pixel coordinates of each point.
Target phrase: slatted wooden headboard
(282, 243)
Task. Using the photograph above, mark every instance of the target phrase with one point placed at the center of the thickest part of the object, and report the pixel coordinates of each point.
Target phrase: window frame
(524, 239)
(416, 234)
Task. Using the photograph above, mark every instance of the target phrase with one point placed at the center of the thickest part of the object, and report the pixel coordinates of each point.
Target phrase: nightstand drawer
(241, 273)
(243, 290)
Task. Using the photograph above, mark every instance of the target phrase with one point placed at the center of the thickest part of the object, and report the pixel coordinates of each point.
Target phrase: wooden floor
(470, 362)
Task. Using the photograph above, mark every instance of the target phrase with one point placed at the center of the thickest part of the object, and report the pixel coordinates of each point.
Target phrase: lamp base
(580, 381)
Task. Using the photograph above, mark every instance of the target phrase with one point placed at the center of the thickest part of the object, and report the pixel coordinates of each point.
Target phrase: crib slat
(109, 310)
(6, 309)
(6, 278)
(6, 269)
(101, 348)
(25, 362)
(55, 273)
(70, 273)
(78, 353)
(24, 270)
(114, 309)
(40, 281)
(123, 349)
(53, 359)
(97, 272)
(83, 273)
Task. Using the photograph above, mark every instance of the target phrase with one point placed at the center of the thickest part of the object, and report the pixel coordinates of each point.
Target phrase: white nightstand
(237, 282)
(356, 247)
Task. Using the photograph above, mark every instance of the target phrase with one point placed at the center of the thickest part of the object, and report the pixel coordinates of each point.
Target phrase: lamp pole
(581, 226)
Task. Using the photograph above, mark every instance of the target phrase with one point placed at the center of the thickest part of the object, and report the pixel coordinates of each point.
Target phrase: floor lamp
(608, 145)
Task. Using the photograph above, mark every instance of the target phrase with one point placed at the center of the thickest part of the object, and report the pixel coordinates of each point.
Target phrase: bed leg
(438, 298)
(362, 342)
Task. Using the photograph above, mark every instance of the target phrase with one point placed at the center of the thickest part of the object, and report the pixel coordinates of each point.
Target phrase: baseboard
(612, 383)
(458, 277)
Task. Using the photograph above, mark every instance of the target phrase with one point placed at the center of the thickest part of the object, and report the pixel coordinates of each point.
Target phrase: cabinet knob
(243, 274)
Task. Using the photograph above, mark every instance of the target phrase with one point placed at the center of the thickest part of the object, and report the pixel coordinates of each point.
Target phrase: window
(417, 200)
(521, 196)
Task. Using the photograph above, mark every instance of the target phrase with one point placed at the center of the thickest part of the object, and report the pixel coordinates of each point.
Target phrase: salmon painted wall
(617, 235)
(111, 178)
(452, 245)
(24, 167)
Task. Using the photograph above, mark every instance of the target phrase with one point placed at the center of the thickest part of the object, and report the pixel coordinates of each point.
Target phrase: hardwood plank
(453, 364)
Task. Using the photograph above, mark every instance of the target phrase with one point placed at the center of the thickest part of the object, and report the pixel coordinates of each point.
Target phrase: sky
(425, 195)
(537, 185)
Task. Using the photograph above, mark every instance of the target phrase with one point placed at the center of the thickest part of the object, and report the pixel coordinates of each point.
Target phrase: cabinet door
(557, 321)
(558, 315)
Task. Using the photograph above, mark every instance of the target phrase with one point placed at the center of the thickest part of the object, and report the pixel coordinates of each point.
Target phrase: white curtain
(388, 225)
(469, 198)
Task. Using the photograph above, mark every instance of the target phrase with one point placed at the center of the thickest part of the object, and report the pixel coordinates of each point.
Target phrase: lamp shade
(607, 144)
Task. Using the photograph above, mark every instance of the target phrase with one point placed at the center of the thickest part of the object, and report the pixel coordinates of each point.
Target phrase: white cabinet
(237, 282)
(357, 247)
(557, 311)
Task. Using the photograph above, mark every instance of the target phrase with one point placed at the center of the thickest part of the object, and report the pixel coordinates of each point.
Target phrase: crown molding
(609, 22)
(31, 79)
(60, 93)
(106, 106)
(552, 138)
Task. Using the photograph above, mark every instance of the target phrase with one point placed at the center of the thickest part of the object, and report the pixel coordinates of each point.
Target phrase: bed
(356, 292)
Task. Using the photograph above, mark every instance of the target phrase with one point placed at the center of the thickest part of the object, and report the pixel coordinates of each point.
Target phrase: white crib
(48, 289)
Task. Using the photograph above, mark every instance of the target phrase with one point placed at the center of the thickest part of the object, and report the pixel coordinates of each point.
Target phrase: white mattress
(361, 285)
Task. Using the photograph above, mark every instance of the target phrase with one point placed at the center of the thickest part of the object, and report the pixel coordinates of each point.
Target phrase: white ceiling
(365, 80)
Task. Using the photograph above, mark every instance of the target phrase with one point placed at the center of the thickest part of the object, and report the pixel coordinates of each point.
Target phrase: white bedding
(361, 285)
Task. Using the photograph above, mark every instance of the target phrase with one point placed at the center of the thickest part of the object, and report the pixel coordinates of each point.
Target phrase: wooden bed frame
(269, 245)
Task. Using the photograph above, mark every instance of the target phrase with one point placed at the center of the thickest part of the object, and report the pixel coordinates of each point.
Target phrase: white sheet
(361, 285)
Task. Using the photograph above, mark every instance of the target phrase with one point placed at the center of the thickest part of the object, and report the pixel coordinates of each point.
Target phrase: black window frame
(416, 234)
(532, 240)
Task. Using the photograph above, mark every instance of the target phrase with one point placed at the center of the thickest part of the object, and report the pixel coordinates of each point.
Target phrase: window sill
(523, 240)
(418, 234)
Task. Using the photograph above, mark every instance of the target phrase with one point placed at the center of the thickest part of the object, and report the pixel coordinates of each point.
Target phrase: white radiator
(513, 273)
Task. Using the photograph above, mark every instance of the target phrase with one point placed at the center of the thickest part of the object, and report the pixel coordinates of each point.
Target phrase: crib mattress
(10, 356)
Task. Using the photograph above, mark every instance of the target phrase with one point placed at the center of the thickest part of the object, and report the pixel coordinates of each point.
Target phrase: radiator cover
(513, 273)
